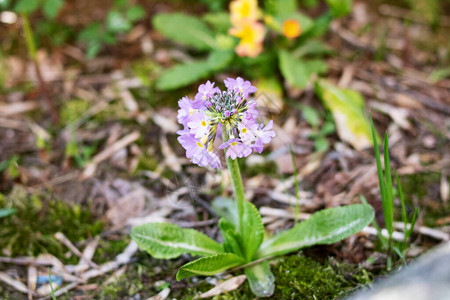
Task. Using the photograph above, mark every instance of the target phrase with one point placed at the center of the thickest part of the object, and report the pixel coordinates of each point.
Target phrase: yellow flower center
(244, 130)
(203, 123)
(233, 143)
(200, 145)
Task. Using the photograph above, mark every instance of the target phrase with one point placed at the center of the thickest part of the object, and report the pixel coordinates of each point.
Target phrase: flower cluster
(244, 18)
(244, 15)
(229, 116)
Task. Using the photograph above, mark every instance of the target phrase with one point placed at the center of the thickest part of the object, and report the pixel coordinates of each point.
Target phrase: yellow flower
(243, 10)
(252, 36)
(291, 29)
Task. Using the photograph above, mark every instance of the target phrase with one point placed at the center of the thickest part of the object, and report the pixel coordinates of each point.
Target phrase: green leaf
(281, 8)
(439, 74)
(312, 47)
(327, 128)
(166, 240)
(93, 48)
(210, 265)
(261, 279)
(186, 30)
(226, 208)
(187, 73)
(26, 6)
(340, 8)
(318, 27)
(219, 59)
(4, 212)
(324, 227)
(219, 21)
(4, 165)
(298, 72)
(182, 75)
(253, 233)
(310, 115)
(230, 236)
(4, 4)
(135, 13)
(321, 144)
(116, 22)
(347, 107)
(52, 7)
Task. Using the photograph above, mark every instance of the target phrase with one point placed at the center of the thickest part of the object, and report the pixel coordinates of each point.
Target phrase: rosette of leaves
(248, 248)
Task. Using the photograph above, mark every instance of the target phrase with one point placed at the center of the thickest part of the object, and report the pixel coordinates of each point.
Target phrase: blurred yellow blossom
(251, 35)
(243, 11)
(291, 28)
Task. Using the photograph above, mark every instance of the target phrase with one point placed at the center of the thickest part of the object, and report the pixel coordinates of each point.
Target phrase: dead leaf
(161, 295)
(127, 207)
(226, 286)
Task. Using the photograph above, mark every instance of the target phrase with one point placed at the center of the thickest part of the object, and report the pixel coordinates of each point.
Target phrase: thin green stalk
(389, 254)
(31, 47)
(297, 189)
(32, 52)
(238, 186)
(51, 284)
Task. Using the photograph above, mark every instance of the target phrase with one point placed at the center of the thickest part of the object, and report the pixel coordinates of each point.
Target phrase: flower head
(206, 90)
(228, 115)
(291, 28)
(241, 10)
(251, 36)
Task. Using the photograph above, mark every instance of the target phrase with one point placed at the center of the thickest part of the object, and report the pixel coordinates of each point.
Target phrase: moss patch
(296, 277)
(143, 279)
(31, 230)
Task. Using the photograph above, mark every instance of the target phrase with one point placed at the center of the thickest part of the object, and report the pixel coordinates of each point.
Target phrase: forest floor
(112, 161)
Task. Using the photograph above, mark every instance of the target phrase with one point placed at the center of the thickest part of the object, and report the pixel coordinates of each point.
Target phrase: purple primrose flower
(228, 115)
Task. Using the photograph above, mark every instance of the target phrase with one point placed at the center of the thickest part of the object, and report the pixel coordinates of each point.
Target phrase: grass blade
(379, 168)
(388, 204)
(51, 284)
(402, 201)
(297, 193)
(413, 222)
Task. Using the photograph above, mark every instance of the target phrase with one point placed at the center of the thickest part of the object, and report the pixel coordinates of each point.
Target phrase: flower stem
(238, 187)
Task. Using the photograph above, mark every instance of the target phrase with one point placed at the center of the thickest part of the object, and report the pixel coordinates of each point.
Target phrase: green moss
(146, 277)
(73, 110)
(147, 70)
(147, 162)
(267, 167)
(109, 249)
(298, 277)
(39, 216)
(303, 278)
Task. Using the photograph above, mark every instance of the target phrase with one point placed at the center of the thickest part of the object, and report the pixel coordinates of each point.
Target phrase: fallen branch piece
(63, 239)
(15, 284)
